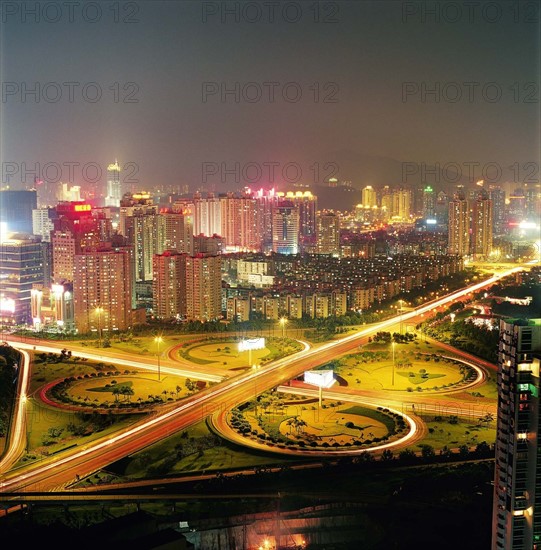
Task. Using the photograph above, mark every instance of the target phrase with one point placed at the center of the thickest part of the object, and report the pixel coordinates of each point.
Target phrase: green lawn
(373, 369)
(196, 449)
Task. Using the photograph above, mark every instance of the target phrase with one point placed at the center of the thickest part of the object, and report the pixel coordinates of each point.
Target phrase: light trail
(242, 380)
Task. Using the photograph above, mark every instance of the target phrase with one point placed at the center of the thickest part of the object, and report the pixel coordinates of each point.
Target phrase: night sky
(360, 54)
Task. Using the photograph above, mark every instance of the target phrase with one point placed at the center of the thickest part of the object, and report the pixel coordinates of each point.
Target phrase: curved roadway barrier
(416, 432)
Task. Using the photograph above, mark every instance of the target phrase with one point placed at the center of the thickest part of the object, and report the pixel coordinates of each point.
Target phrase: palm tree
(128, 392)
(116, 392)
(487, 419)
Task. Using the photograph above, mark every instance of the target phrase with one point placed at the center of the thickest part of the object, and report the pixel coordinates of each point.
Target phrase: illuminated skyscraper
(176, 231)
(21, 266)
(114, 188)
(102, 290)
(139, 224)
(306, 204)
(369, 197)
(169, 285)
(207, 213)
(328, 233)
(516, 515)
(241, 224)
(285, 228)
(429, 203)
(203, 287)
(482, 220)
(267, 200)
(402, 204)
(75, 229)
(16, 209)
(459, 225)
(42, 223)
(497, 196)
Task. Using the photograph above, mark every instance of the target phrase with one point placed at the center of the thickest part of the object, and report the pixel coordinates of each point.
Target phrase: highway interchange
(53, 474)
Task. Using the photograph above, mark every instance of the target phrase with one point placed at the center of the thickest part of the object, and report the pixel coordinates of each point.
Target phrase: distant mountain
(364, 170)
(336, 198)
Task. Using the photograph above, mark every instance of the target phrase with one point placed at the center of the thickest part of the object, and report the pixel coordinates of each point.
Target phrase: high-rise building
(169, 285)
(402, 205)
(482, 220)
(369, 197)
(21, 266)
(207, 214)
(266, 200)
(114, 187)
(208, 245)
(517, 206)
(442, 207)
(75, 229)
(139, 224)
(497, 196)
(532, 192)
(42, 222)
(429, 203)
(516, 515)
(203, 288)
(285, 228)
(306, 204)
(175, 231)
(328, 233)
(459, 226)
(102, 289)
(241, 226)
(16, 209)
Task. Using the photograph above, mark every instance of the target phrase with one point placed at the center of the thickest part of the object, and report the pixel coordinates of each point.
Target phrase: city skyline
(271, 273)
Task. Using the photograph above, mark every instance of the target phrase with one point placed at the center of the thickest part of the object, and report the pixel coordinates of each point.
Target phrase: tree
(486, 419)
(128, 392)
(116, 392)
(427, 452)
(387, 455)
(407, 456)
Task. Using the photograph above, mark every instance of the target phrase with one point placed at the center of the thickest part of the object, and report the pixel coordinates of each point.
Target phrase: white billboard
(251, 344)
(319, 378)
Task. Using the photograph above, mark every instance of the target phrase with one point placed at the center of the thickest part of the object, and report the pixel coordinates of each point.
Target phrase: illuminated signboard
(7, 304)
(251, 344)
(82, 207)
(320, 378)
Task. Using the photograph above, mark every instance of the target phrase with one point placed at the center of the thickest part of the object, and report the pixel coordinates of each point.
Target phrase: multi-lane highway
(54, 473)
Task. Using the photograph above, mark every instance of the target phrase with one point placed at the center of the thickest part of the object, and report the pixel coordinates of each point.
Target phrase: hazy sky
(360, 74)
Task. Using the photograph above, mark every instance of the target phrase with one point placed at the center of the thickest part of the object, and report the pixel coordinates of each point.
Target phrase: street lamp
(99, 311)
(392, 379)
(283, 322)
(158, 340)
(401, 310)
